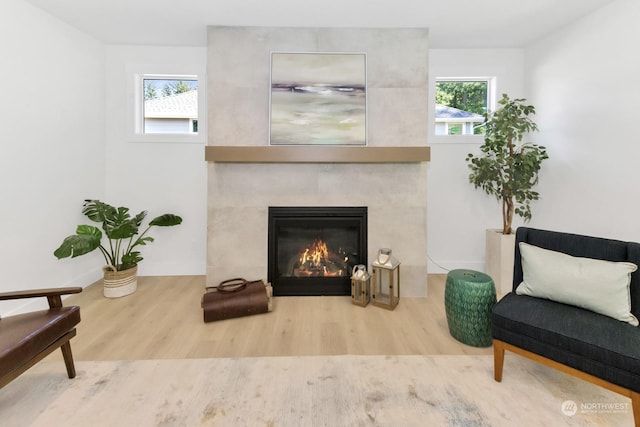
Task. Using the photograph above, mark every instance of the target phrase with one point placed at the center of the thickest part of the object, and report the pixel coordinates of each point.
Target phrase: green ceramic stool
(469, 297)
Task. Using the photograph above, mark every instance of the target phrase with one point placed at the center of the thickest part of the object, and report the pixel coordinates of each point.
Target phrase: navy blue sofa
(580, 342)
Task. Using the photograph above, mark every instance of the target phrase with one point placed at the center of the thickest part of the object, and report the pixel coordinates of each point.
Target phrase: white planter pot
(500, 250)
(119, 283)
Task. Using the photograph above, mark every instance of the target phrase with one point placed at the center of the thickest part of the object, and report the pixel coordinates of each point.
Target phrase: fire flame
(318, 260)
(316, 255)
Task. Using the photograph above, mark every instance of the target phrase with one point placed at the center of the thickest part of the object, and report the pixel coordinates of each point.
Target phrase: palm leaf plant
(508, 168)
(122, 232)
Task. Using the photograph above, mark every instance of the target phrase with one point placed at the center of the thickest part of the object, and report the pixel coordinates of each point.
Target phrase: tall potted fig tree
(507, 169)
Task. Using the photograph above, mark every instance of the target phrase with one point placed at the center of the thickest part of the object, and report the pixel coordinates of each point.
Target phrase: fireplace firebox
(312, 250)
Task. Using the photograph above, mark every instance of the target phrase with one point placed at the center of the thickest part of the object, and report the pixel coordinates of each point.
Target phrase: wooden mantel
(316, 154)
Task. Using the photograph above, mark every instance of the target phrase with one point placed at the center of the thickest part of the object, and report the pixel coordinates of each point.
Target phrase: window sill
(168, 138)
(457, 139)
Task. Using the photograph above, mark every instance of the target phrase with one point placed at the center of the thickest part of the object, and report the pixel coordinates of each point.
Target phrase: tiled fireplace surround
(240, 192)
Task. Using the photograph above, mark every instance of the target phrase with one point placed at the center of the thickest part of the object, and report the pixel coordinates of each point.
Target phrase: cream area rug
(308, 391)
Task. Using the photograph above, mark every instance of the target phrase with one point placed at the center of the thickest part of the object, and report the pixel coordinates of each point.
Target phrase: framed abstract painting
(318, 99)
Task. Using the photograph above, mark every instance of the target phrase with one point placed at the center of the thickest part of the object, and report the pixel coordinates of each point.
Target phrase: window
(461, 105)
(454, 128)
(167, 108)
(170, 104)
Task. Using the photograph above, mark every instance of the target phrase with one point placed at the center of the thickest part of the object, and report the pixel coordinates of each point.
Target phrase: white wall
(457, 213)
(584, 83)
(51, 146)
(160, 177)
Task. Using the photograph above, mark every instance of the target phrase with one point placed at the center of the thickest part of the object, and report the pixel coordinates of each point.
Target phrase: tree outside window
(459, 105)
(157, 88)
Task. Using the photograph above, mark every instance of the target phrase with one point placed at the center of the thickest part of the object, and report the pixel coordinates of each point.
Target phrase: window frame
(461, 138)
(135, 110)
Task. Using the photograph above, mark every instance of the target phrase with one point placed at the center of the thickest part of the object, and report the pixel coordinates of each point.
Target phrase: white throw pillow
(597, 285)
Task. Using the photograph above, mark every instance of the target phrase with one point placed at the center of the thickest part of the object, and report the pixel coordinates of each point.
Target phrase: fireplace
(312, 250)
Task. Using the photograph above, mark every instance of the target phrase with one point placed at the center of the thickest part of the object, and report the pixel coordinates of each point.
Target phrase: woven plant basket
(119, 283)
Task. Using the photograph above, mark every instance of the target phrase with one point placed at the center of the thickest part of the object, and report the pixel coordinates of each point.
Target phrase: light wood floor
(163, 320)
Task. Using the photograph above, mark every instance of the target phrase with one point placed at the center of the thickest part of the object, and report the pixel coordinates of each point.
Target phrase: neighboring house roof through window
(450, 114)
(181, 106)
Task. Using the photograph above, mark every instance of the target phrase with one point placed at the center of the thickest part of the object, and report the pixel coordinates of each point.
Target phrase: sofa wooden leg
(498, 360)
(68, 359)
(635, 407)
